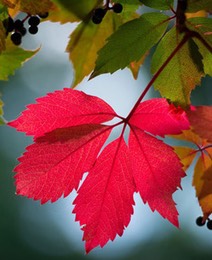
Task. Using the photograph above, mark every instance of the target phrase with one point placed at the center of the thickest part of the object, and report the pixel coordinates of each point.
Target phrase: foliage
(71, 129)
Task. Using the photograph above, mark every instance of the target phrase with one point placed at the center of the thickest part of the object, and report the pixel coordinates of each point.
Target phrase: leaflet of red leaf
(55, 164)
(61, 109)
(159, 117)
(104, 202)
(157, 172)
(201, 120)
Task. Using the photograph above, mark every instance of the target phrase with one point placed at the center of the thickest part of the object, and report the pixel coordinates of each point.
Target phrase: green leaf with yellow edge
(203, 26)
(197, 5)
(202, 181)
(85, 42)
(130, 42)
(136, 65)
(73, 11)
(159, 4)
(182, 74)
(13, 58)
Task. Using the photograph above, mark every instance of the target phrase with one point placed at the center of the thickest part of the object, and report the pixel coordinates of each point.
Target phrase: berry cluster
(17, 28)
(99, 13)
(200, 222)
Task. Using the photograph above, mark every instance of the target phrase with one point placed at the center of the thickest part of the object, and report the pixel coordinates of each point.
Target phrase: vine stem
(156, 75)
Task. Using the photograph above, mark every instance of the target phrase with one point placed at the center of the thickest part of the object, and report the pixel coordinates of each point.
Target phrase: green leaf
(13, 58)
(85, 42)
(182, 73)
(196, 5)
(130, 42)
(74, 10)
(159, 4)
(203, 27)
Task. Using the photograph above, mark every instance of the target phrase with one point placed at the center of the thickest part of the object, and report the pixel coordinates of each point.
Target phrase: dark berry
(209, 224)
(33, 29)
(8, 24)
(117, 8)
(16, 38)
(18, 25)
(43, 15)
(96, 19)
(23, 31)
(100, 12)
(34, 20)
(199, 221)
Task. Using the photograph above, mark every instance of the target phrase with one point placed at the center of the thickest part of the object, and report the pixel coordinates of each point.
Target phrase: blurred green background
(31, 231)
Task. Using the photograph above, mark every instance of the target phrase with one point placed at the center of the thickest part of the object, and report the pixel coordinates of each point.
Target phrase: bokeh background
(31, 231)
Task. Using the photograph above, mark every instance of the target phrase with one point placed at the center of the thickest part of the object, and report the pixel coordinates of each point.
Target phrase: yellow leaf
(202, 182)
(186, 155)
(201, 13)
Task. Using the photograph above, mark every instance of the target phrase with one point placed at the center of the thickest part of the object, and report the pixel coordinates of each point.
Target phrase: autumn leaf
(202, 182)
(108, 187)
(13, 58)
(182, 74)
(159, 117)
(34, 6)
(62, 109)
(58, 168)
(201, 121)
(70, 139)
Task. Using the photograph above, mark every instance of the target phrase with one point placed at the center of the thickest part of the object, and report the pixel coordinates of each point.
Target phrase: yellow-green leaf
(203, 26)
(13, 58)
(72, 11)
(182, 74)
(85, 42)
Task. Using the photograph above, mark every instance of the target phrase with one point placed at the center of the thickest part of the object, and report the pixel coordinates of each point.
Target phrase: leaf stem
(156, 75)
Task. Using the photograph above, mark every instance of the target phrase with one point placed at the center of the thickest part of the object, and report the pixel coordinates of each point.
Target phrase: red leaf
(201, 120)
(157, 172)
(54, 165)
(68, 143)
(158, 117)
(61, 109)
(105, 199)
